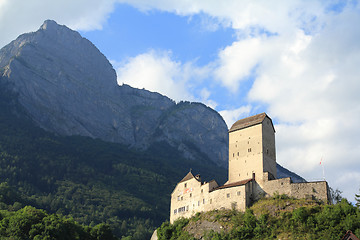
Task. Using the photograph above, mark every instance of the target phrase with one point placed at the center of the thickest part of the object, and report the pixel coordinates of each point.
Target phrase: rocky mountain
(68, 87)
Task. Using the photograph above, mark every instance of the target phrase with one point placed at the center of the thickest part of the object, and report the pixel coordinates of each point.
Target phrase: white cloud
(17, 16)
(231, 116)
(157, 72)
(312, 89)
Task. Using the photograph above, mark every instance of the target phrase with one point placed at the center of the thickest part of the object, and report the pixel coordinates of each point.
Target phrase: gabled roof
(250, 121)
(187, 177)
(235, 184)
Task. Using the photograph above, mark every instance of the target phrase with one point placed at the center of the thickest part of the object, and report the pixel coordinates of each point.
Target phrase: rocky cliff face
(67, 86)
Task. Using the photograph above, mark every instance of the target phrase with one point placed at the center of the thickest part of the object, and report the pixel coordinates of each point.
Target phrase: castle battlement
(252, 175)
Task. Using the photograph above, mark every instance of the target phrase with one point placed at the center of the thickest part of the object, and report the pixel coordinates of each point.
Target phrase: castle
(252, 175)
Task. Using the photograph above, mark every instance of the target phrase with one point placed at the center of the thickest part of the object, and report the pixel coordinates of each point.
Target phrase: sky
(298, 61)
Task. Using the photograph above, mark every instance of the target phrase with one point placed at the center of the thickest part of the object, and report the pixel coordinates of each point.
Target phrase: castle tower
(252, 149)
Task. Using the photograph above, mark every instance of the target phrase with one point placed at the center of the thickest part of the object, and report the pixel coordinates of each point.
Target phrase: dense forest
(31, 223)
(276, 218)
(89, 180)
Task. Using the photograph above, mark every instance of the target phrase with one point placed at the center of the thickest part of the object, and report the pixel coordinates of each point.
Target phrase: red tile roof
(234, 184)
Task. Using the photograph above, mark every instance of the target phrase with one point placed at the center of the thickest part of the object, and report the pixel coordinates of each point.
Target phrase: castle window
(204, 201)
(187, 208)
(238, 153)
(198, 203)
(233, 154)
(202, 190)
(181, 198)
(185, 184)
(249, 149)
(210, 201)
(228, 195)
(182, 209)
(238, 193)
(178, 198)
(267, 151)
(190, 194)
(175, 211)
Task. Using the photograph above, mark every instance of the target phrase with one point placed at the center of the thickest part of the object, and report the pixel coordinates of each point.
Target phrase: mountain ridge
(69, 87)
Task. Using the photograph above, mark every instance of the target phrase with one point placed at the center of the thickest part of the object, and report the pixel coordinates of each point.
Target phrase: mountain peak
(49, 24)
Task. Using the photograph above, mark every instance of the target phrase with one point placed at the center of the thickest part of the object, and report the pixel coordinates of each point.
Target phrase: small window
(233, 154)
(267, 151)
(202, 190)
(210, 201)
(187, 208)
(185, 185)
(175, 211)
(228, 195)
(181, 198)
(238, 193)
(190, 194)
(238, 153)
(249, 149)
(198, 203)
(204, 201)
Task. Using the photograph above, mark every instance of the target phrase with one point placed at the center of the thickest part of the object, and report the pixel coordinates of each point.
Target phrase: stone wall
(314, 190)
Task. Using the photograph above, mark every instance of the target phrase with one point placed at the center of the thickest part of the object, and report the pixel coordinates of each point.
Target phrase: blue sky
(297, 60)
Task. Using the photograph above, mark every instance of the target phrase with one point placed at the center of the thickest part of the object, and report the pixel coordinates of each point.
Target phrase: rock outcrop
(67, 86)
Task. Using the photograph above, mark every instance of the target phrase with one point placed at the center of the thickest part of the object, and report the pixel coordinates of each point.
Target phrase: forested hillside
(90, 180)
(275, 218)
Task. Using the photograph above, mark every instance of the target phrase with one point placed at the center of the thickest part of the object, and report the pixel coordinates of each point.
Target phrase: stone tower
(252, 149)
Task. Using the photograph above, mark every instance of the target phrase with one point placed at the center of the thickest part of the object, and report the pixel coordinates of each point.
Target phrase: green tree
(357, 198)
(335, 196)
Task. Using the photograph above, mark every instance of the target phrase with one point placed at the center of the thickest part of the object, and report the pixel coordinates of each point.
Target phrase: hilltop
(279, 217)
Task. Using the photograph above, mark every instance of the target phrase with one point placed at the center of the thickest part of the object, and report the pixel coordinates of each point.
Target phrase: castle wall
(197, 197)
(314, 190)
(280, 186)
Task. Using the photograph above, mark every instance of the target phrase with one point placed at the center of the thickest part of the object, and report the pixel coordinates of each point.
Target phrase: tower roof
(249, 121)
